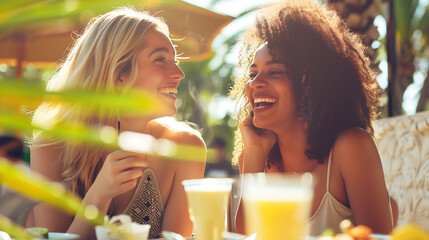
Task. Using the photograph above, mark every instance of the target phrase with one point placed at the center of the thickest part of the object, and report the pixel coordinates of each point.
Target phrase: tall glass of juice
(277, 206)
(208, 200)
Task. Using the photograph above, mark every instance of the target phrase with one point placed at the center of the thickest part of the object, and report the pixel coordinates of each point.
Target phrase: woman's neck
(133, 125)
(293, 144)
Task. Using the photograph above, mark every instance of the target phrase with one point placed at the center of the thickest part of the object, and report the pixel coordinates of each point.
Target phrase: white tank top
(330, 212)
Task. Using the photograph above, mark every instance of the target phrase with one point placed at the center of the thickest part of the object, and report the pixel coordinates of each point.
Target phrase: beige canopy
(47, 41)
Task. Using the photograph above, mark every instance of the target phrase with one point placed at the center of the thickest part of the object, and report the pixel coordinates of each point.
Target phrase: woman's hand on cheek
(257, 145)
(253, 137)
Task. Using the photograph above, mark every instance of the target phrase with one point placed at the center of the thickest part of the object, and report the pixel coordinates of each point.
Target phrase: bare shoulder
(356, 150)
(180, 132)
(360, 168)
(353, 137)
(45, 159)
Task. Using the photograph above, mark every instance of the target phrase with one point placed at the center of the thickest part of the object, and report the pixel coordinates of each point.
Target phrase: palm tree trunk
(359, 16)
(424, 92)
(405, 71)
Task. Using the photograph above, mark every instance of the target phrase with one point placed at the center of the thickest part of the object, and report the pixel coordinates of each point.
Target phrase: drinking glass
(208, 200)
(277, 206)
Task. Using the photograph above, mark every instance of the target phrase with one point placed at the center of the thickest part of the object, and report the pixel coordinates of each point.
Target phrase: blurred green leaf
(37, 188)
(183, 152)
(14, 230)
(13, 94)
(404, 16)
(55, 194)
(423, 24)
(328, 232)
(75, 132)
(146, 144)
(107, 136)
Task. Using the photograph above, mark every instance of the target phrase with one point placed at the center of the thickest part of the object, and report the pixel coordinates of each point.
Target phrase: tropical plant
(133, 101)
(412, 31)
(35, 187)
(207, 83)
(195, 93)
(201, 86)
(14, 230)
(359, 16)
(422, 46)
(40, 189)
(409, 46)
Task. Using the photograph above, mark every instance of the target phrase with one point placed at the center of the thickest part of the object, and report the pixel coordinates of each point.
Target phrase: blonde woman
(118, 50)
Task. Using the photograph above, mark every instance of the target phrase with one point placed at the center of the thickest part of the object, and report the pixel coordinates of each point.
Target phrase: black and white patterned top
(146, 207)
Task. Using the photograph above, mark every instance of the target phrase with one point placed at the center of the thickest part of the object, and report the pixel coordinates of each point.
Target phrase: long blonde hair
(108, 48)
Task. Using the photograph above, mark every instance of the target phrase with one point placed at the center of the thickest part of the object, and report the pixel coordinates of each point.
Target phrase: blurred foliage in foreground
(36, 188)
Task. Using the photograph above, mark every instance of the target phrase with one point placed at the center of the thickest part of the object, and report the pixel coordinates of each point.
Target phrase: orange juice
(276, 219)
(277, 206)
(208, 205)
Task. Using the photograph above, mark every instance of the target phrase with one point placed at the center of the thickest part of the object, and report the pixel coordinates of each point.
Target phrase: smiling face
(270, 92)
(158, 72)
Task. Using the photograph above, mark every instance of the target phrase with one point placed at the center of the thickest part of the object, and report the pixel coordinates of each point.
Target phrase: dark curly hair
(333, 84)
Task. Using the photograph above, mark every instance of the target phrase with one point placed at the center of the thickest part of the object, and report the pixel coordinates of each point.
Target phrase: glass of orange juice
(277, 206)
(208, 200)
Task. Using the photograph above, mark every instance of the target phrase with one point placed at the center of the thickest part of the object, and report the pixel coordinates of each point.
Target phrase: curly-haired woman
(308, 96)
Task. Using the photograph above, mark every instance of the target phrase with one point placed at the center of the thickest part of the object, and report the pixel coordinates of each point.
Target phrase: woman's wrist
(91, 198)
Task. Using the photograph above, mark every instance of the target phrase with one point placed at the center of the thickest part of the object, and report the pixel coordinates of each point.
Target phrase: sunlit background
(221, 106)
(203, 94)
(226, 55)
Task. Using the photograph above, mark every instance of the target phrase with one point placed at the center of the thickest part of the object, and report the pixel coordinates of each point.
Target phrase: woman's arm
(44, 160)
(119, 174)
(360, 167)
(257, 145)
(176, 215)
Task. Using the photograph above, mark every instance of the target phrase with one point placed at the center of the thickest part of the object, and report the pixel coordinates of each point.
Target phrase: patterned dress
(146, 206)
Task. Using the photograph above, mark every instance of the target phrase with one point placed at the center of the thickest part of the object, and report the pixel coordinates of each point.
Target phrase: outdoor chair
(403, 144)
(15, 207)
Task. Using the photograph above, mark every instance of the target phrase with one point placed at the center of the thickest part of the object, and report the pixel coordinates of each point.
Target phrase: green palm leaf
(75, 132)
(14, 230)
(13, 94)
(404, 17)
(423, 24)
(37, 188)
(55, 194)
(107, 137)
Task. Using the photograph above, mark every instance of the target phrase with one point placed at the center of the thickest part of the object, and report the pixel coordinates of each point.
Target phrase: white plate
(376, 236)
(62, 236)
(380, 236)
(165, 239)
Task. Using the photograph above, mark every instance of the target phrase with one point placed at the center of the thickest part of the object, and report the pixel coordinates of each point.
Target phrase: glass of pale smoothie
(277, 206)
(208, 200)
